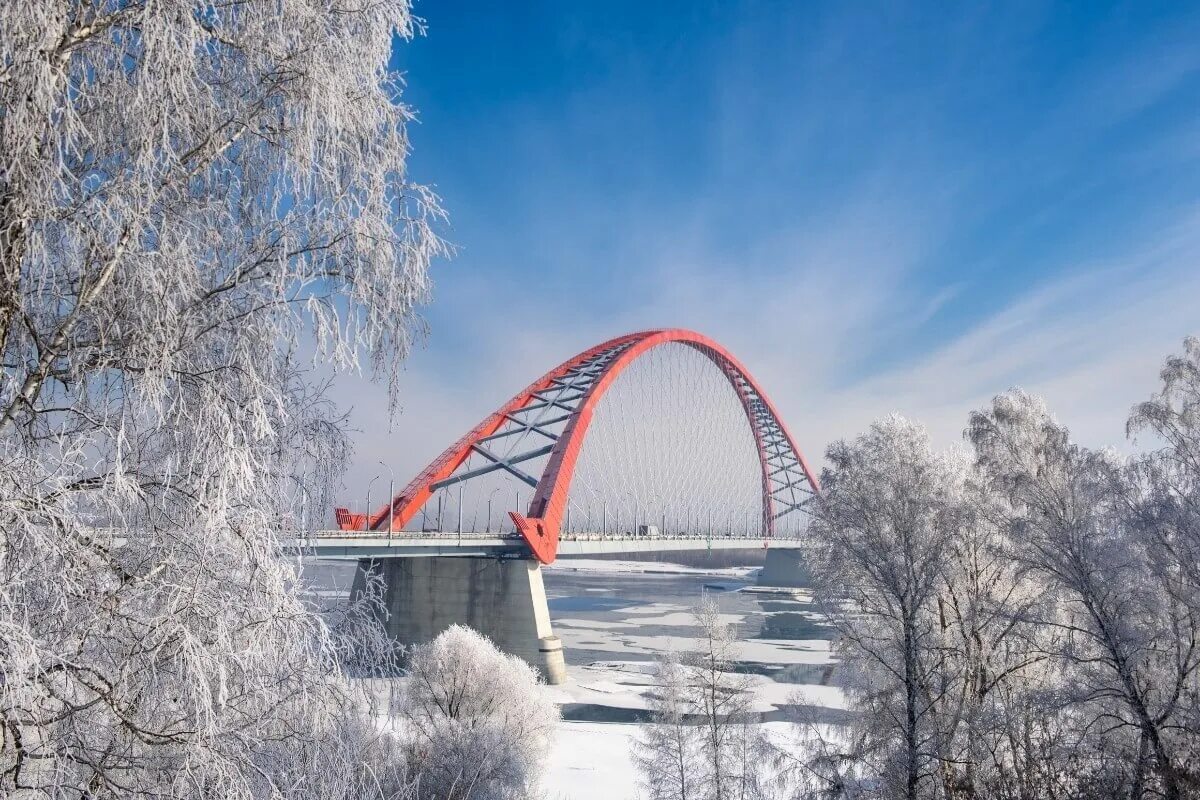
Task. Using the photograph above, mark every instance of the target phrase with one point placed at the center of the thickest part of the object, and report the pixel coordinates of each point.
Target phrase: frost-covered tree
(667, 750)
(475, 722)
(704, 742)
(1022, 626)
(913, 568)
(1164, 502)
(889, 511)
(988, 693)
(198, 201)
(1128, 642)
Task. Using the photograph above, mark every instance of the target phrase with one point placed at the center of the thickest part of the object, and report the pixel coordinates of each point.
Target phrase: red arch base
(786, 475)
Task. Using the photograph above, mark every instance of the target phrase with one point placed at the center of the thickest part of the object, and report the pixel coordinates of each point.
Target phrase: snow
(613, 684)
(686, 619)
(591, 761)
(588, 636)
(624, 684)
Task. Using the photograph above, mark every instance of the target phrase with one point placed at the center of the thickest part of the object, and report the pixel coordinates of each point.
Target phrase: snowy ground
(591, 762)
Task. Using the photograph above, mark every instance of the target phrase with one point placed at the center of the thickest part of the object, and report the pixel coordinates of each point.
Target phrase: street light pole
(391, 497)
(490, 496)
(370, 483)
(658, 501)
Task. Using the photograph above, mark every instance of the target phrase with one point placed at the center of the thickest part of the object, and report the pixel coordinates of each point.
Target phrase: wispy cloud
(1092, 343)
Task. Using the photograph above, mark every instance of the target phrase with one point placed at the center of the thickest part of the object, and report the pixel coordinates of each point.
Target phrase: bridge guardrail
(570, 537)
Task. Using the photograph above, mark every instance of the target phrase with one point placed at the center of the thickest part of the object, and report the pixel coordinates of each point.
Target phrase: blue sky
(876, 207)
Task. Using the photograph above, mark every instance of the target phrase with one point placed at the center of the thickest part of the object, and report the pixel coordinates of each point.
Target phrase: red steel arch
(580, 382)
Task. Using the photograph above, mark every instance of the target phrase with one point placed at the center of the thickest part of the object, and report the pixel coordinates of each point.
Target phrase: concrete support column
(502, 598)
(785, 567)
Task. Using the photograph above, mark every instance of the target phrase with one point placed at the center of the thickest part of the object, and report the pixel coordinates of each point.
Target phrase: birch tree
(886, 519)
(199, 202)
(731, 747)
(705, 744)
(1022, 626)
(667, 750)
(1165, 510)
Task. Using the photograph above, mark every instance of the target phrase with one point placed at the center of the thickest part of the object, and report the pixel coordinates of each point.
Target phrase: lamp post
(657, 499)
(391, 497)
(637, 504)
(370, 483)
(490, 496)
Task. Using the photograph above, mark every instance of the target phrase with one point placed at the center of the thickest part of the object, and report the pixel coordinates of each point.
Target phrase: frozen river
(616, 617)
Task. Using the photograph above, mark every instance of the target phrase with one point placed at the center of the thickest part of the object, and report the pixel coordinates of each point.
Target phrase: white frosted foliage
(197, 202)
(475, 722)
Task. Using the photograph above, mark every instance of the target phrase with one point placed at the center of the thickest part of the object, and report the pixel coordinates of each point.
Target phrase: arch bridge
(549, 421)
(537, 440)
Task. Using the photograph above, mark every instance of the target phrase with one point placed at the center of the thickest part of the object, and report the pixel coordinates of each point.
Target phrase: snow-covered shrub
(475, 721)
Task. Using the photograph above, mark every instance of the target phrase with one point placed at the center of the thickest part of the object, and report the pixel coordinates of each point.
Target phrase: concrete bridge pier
(502, 598)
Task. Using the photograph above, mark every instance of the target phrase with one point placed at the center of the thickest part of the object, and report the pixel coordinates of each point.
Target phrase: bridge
(653, 441)
(343, 546)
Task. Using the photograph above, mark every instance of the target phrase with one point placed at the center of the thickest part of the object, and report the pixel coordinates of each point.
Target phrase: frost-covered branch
(201, 207)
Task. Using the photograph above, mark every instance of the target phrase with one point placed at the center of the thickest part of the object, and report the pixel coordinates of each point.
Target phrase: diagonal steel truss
(786, 481)
(547, 411)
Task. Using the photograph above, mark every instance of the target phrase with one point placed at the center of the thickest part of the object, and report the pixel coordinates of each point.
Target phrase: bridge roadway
(353, 546)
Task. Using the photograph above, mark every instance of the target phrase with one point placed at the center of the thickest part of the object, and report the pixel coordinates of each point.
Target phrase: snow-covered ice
(623, 626)
(646, 568)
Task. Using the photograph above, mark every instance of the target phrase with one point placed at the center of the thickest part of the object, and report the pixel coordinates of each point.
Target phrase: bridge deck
(353, 546)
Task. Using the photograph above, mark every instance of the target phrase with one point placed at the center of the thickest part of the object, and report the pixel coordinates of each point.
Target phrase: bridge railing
(475, 536)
